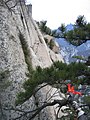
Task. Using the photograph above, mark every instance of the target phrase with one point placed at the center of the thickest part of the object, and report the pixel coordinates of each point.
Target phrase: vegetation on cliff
(58, 72)
(80, 33)
(77, 36)
(56, 76)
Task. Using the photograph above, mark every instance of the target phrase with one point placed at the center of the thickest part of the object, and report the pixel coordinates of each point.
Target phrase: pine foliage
(58, 72)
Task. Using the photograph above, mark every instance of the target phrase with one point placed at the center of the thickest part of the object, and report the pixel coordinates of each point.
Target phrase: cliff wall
(16, 20)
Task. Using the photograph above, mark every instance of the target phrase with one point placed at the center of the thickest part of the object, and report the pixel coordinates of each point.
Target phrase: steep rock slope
(16, 20)
(69, 51)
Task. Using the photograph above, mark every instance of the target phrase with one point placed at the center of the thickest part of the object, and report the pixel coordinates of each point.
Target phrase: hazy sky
(59, 11)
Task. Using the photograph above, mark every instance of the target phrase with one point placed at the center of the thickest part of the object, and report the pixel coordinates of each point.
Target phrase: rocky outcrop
(15, 19)
(69, 51)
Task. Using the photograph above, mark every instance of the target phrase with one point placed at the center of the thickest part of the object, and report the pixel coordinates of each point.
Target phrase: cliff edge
(18, 29)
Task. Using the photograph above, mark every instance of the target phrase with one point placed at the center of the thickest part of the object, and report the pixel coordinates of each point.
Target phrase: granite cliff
(15, 20)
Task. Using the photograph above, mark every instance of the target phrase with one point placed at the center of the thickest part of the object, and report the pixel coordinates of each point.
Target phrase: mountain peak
(69, 27)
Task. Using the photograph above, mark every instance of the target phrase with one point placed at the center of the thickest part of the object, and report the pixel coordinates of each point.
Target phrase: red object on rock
(71, 89)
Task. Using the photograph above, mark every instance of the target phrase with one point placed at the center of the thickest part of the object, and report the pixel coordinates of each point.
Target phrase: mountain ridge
(68, 50)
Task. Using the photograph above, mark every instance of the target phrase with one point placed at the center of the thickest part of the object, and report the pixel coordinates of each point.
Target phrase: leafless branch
(57, 113)
(53, 95)
(47, 94)
(61, 103)
(37, 110)
(7, 1)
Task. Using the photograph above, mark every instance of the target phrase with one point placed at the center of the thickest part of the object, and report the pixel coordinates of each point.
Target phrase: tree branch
(38, 110)
(60, 102)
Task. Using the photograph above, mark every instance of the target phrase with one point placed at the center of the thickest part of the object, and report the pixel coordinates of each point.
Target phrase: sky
(57, 12)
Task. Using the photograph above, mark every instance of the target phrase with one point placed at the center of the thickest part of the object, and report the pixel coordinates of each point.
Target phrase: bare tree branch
(39, 109)
(49, 98)
(57, 113)
(61, 103)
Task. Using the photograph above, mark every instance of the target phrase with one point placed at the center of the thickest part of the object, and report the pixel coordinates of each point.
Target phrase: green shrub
(51, 44)
(58, 72)
(26, 52)
(80, 33)
(46, 40)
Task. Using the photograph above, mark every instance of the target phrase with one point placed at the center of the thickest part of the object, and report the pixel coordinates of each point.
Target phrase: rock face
(15, 18)
(69, 51)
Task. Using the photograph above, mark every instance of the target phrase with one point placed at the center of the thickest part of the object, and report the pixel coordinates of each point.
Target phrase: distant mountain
(69, 27)
(68, 50)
